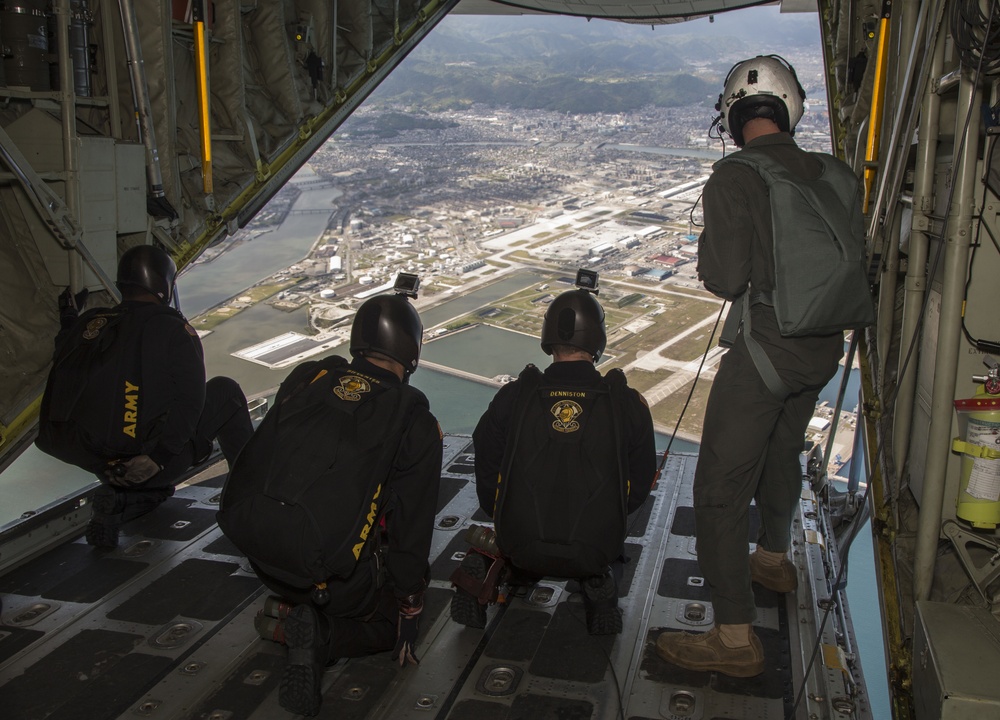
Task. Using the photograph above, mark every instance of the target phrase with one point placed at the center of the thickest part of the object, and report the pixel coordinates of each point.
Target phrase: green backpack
(821, 281)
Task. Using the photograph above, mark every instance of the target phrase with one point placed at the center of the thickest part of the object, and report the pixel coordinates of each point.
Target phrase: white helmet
(764, 86)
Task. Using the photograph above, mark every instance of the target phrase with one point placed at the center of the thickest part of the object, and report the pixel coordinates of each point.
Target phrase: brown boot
(773, 570)
(709, 652)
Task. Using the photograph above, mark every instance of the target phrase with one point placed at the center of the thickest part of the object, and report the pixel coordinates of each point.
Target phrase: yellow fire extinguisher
(979, 425)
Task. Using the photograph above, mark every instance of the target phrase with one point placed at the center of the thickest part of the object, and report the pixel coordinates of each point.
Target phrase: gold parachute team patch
(566, 412)
(351, 387)
(93, 328)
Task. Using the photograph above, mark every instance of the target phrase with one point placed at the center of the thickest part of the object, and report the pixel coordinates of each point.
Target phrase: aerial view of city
(495, 208)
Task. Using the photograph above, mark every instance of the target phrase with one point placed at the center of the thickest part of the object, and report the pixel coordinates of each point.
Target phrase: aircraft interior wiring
(983, 344)
(889, 399)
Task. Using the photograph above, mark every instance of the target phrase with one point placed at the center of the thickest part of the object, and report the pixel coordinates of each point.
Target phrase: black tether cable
(704, 356)
(890, 399)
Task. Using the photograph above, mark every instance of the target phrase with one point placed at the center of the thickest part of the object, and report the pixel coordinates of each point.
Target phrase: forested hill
(571, 65)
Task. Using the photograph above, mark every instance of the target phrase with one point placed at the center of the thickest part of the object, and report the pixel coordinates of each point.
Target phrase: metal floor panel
(162, 628)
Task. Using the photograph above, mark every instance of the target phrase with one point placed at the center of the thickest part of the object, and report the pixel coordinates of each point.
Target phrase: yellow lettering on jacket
(131, 408)
(369, 522)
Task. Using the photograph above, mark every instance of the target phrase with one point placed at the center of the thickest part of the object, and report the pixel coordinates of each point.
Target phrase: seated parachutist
(127, 400)
(562, 457)
(333, 502)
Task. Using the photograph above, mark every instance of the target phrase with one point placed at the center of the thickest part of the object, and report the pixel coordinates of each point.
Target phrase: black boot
(307, 635)
(600, 601)
(113, 507)
(465, 606)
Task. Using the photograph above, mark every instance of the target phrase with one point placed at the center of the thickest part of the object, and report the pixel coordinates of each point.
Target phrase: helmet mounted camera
(587, 280)
(407, 285)
(576, 318)
(389, 325)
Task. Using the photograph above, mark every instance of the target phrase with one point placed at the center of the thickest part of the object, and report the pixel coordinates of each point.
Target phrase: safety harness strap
(739, 315)
(764, 365)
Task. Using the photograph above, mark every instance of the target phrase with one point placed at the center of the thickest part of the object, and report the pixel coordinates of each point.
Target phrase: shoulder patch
(190, 330)
(566, 412)
(93, 328)
(351, 388)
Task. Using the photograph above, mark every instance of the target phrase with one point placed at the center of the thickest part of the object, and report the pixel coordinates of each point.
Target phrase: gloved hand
(406, 630)
(70, 305)
(133, 471)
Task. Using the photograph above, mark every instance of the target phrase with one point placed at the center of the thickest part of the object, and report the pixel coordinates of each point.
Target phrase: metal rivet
(354, 693)
(147, 707)
(257, 677)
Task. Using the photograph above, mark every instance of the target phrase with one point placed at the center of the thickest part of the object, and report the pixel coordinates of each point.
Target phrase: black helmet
(575, 318)
(150, 268)
(390, 325)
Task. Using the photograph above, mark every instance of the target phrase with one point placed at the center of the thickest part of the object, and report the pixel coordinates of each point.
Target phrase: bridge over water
(492, 382)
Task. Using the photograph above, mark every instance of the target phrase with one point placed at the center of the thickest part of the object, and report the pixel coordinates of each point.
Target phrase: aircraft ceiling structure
(654, 11)
(168, 121)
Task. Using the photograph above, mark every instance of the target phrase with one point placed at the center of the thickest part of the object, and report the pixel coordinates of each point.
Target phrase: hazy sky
(765, 29)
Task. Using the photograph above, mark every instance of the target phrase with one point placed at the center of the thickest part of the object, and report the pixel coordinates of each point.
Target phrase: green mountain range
(573, 66)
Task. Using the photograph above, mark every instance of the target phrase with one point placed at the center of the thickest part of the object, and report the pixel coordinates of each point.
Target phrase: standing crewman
(562, 457)
(127, 399)
(755, 427)
(334, 498)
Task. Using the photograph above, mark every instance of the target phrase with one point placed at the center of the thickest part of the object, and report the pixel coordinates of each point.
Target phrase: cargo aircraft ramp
(162, 627)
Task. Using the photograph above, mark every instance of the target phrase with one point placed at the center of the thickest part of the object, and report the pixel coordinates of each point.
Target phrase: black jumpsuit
(411, 510)
(171, 414)
(638, 449)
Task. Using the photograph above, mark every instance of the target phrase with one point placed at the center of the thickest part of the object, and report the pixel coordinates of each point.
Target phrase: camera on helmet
(407, 285)
(587, 280)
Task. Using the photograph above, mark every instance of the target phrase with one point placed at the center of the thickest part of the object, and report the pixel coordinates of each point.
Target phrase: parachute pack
(821, 284)
(304, 499)
(562, 497)
(87, 398)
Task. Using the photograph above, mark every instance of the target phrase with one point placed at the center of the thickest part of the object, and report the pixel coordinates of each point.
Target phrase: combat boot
(600, 602)
(307, 634)
(113, 507)
(465, 606)
(107, 504)
(710, 652)
(773, 570)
